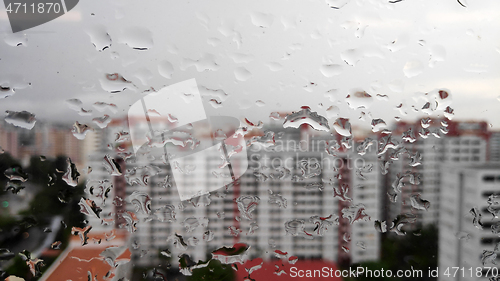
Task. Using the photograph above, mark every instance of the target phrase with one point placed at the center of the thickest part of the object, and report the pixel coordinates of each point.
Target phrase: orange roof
(77, 261)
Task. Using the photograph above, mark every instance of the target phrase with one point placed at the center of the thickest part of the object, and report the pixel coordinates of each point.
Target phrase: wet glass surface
(223, 140)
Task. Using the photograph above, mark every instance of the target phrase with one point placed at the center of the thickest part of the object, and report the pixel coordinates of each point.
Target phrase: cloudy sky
(262, 56)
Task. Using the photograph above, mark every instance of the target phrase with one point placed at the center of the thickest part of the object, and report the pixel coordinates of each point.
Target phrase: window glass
(258, 140)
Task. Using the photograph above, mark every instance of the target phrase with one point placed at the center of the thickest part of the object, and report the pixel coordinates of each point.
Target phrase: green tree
(416, 250)
(56, 197)
(6, 161)
(215, 271)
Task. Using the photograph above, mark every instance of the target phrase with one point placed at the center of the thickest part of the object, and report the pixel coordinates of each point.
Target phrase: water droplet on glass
(10, 83)
(35, 266)
(277, 199)
(80, 130)
(336, 4)
(221, 215)
(141, 175)
(263, 20)
(111, 166)
(166, 253)
(56, 245)
(351, 56)
(141, 202)
(296, 227)
(115, 83)
(332, 147)
(361, 245)
(260, 103)
(343, 127)
(413, 68)
(74, 104)
(378, 125)
(438, 53)
(462, 235)
(6, 255)
(400, 221)
(206, 62)
(16, 173)
(234, 254)
(409, 136)
(415, 159)
(22, 119)
(314, 186)
(364, 146)
(214, 42)
(246, 205)
(166, 69)
(193, 241)
(309, 168)
(358, 98)
(274, 66)
(16, 39)
(267, 140)
(330, 70)
(476, 221)
(275, 115)
(165, 213)
(233, 230)
(342, 192)
(190, 224)
(103, 121)
(355, 213)
(208, 236)
(242, 74)
(138, 38)
(448, 113)
(418, 203)
(178, 241)
(488, 257)
(306, 116)
(280, 254)
(101, 106)
(322, 223)
(71, 175)
(495, 228)
(332, 112)
(99, 37)
(253, 227)
(82, 233)
(6, 91)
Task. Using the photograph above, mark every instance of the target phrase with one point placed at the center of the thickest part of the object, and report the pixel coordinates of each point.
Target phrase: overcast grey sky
(284, 54)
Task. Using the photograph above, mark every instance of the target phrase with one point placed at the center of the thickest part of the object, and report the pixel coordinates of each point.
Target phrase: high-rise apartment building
(494, 147)
(415, 163)
(295, 197)
(49, 140)
(468, 222)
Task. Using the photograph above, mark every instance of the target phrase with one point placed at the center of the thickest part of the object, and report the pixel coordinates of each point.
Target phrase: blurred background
(320, 134)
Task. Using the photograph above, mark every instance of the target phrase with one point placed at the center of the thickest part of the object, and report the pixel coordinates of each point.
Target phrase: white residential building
(444, 142)
(494, 147)
(302, 179)
(465, 190)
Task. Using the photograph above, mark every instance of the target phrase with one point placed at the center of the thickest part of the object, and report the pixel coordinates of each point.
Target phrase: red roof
(322, 270)
(77, 261)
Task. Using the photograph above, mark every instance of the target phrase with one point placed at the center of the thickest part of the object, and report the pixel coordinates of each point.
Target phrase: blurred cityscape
(86, 206)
